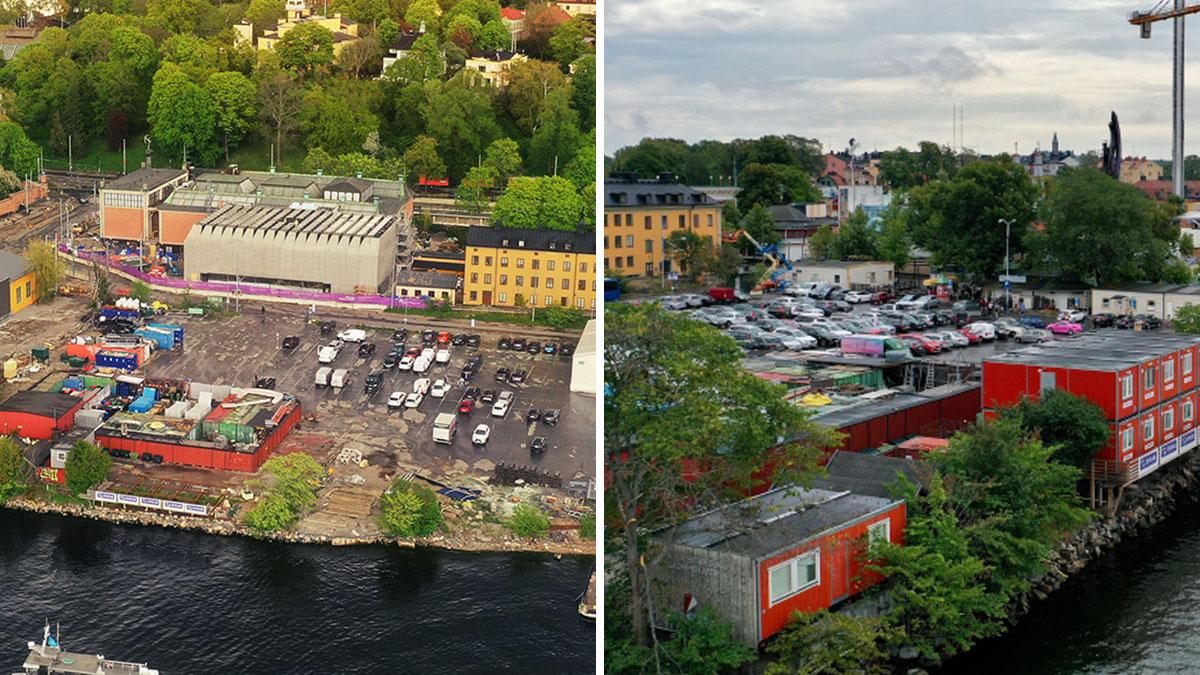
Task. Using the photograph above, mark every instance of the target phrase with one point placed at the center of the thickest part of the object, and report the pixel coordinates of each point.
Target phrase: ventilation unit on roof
(520, 243)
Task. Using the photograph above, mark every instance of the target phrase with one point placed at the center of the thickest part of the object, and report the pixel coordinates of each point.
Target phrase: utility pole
(124, 166)
(70, 154)
(1007, 278)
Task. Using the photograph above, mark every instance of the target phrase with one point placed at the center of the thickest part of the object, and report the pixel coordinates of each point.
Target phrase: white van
(445, 425)
(340, 378)
(352, 335)
(323, 373)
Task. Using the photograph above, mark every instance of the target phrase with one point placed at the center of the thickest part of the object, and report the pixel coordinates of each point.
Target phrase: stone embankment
(456, 542)
(1145, 504)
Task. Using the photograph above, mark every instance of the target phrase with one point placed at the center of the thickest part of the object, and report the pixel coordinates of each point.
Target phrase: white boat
(49, 658)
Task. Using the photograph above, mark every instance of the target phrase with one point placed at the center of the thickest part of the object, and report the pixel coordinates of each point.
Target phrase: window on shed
(793, 576)
(1127, 439)
(1127, 386)
(1185, 411)
(1168, 371)
(1148, 378)
(881, 531)
(1148, 431)
(1168, 420)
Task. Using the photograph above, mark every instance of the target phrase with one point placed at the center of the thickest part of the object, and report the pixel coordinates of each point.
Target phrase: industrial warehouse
(300, 247)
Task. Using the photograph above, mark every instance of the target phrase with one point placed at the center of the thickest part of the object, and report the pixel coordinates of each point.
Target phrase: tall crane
(1176, 10)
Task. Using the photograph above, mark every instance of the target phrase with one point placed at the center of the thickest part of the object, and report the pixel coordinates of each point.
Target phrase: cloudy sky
(887, 72)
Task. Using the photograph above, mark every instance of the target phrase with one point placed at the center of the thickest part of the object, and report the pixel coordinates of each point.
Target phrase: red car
(972, 337)
(444, 338)
(466, 407)
(931, 346)
(881, 297)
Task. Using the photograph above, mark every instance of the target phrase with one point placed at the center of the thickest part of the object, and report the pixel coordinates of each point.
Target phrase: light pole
(1007, 279)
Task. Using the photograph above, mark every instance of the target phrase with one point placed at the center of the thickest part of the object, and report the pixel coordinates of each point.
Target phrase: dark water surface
(1135, 611)
(188, 603)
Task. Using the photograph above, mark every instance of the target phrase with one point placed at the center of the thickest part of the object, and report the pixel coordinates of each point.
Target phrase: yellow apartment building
(345, 31)
(640, 215)
(511, 267)
(18, 287)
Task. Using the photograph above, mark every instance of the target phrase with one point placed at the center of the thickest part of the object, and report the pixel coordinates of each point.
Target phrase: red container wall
(41, 427)
(1098, 387)
(1187, 369)
(1132, 452)
(841, 567)
(1003, 384)
(1127, 406)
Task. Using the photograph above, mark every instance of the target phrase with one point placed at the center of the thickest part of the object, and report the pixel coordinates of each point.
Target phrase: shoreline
(227, 529)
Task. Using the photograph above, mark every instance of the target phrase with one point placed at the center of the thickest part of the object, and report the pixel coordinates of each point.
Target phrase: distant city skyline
(888, 75)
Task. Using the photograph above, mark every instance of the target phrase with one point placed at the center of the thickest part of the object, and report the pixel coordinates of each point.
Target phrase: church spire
(1054, 144)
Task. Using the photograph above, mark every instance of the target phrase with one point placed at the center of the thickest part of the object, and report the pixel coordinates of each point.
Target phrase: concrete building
(442, 287)
(586, 362)
(1160, 300)
(511, 267)
(640, 215)
(300, 246)
(760, 560)
(129, 204)
(493, 67)
(18, 286)
(345, 31)
(848, 274)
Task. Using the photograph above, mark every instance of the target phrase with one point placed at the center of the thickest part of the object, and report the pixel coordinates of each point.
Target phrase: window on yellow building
(549, 282)
(617, 242)
(710, 220)
(487, 278)
(503, 279)
(696, 220)
(536, 263)
(520, 280)
(579, 303)
(566, 283)
(520, 263)
(647, 222)
(533, 282)
(549, 300)
(550, 265)
(566, 266)
(629, 241)
(474, 296)
(583, 284)
(649, 246)
(663, 221)
(629, 260)
(474, 260)
(533, 299)
(502, 296)
(682, 220)
(629, 219)
(563, 301)
(582, 267)
(487, 260)
(504, 262)
(474, 277)
(620, 262)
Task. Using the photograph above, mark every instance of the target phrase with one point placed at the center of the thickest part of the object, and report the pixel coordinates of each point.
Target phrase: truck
(445, 425)
(878, 346)
(340, 378)
(722, 294)
(323, 373)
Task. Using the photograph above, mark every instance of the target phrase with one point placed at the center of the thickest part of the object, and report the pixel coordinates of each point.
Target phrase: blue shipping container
(119, 360)
(176, 330)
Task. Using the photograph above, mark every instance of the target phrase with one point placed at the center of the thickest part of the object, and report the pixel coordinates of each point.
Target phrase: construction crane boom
(1176, 11)
(1161, 12)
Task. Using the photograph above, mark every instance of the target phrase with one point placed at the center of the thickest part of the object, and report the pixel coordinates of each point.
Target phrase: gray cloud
(885, 72)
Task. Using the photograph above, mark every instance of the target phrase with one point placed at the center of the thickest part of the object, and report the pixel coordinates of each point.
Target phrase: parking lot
(235, 350)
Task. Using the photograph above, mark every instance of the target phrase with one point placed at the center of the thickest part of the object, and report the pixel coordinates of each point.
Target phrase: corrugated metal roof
(299, 221)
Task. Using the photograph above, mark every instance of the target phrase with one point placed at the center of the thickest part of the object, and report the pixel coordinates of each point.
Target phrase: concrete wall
(344, 263)
(1162, 305)
(174, 226)
(854, 275)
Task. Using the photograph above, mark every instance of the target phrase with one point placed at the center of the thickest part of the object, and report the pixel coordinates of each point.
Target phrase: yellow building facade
(18, 286)
(345, 31)
(511, 267)
(639, 217)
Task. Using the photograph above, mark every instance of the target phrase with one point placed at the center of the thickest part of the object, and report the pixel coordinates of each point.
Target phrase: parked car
(1063, 327)
(400, 335)
(505, 344)
(481, 434)
(328, 327)
(352, 335)
(444, 337)
(1035, 335)
(1103, 320)
(473, 340)
(406, 362)
(366, 349)
(881, 297)
(550, 417)
(428, 337)
(929, 345)
(917, 347)
(1149, 321)
(439, 389)
(533, 415)
(466, 406)
(985, 330)
(458, 340)
(1032, 322)
(421, 385)
(373, 382)
(857, 297)
(538, 444)
(390, 361)
(518, 376)
(972, 337)
(396, 400)
(518, 344)
(567, 349)
(534, 347)
(502, 404)
(1073, 315)
(488, 396)
(291, 342)
(551, 348)
(502, 375)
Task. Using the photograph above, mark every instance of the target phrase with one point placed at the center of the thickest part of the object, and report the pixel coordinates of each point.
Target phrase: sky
(888, 72)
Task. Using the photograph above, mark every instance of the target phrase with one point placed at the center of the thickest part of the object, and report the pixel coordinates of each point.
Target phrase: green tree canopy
(503, 157)
(422, 159)
(307, 48)
(529, 84)
(895, 241)
(569, 41)
(458, 113)
(12, 465)
(904, 169)
(557, 138)
(329, 123)
(235, 98)
(87, 465)
(547, 202)
(855, 240)
(409, 510)
(183, 116)
(772, 184)
(1073, 427)
(529, 522)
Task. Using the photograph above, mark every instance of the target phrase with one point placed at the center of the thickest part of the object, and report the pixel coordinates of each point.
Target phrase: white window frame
(794, 570)
(1169, 371)
(1148, 376)
(1127, 440)
(880, 531)
(1127, 386)
(1185, 361)
(1168, 420)
(1185, 411)
(1148, 430)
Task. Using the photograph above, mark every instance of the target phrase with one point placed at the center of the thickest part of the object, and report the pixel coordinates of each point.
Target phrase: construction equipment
(1176, 10)
(779, 261)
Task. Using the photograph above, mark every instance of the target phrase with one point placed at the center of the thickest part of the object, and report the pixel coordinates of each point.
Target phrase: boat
(49, 658)
(587, 599)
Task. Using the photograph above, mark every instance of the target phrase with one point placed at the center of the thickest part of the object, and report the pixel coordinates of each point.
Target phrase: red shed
(761, 559)
(38, 414)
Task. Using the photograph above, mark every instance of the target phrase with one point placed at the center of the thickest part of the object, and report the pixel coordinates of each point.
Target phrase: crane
(1175, 10)
(769, 251)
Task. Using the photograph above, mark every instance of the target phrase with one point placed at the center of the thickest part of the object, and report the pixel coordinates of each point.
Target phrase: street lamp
(1007, 278)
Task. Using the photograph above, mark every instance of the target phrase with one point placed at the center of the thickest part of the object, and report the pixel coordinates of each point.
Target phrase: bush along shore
(229, 528)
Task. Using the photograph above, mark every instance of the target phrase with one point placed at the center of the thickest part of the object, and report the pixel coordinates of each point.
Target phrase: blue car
(1031, 322)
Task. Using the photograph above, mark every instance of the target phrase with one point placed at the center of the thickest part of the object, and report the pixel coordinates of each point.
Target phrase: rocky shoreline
(226, 528)
(1145, 504)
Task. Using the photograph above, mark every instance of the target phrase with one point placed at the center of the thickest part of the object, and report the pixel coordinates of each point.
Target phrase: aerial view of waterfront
(192, 603)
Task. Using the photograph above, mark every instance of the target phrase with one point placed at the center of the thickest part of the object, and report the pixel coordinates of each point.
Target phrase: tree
(529, 84)
(759, 224)
(297, 476)
(503, 157)
(140, 291)
(329, 123)
(691, 251)
(855, 239)
(583, 91)
(363, 11)
(360, 57)
(194, 55)
(422, 159)
(472, 191)
(581, 170)
(958, 220)
(493, 37)
(1012, 500)
(177, 16)
(703, 644)
(234, 96)
(263, 13)
(271, 514)
(1187, 320)
(183, 116)
(459, 114)
(725, 264)
(569, 41)
(731, 215)
(409, 510)
(17, 152)
(529, 522)
(280, 103)
(1072, 426)
(12, 464)
(903, 169)
(821, 243)
(652, 156)
(895, 243)
(306, 48)
(677, 395)
(423, 12)
(87, 465)
(547, 202)
(1104, 231)
(830, 643)
(587, 523)
(935, 582)
(557, 137)
(772, 184)
(47, 267)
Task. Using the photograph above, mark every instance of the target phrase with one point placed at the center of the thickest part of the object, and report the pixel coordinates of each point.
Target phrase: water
(195, 604)
(1135, 611)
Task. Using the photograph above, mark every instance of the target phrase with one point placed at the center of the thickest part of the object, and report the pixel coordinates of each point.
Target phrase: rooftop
(871, 475)
(666, 190)
(1101, 352)
(775, 520)
(838, 264)
(59, 662)
(144, 179)
(300, 221)
(498, 55)
(12, 265)
(42, 403)
(536, 240)
(427, 280)
(882, 403)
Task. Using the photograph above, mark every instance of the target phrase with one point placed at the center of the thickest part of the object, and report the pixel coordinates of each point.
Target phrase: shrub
(587, 526)
(11, 480)
(530, 522)
(86, 465)
(410, 510)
